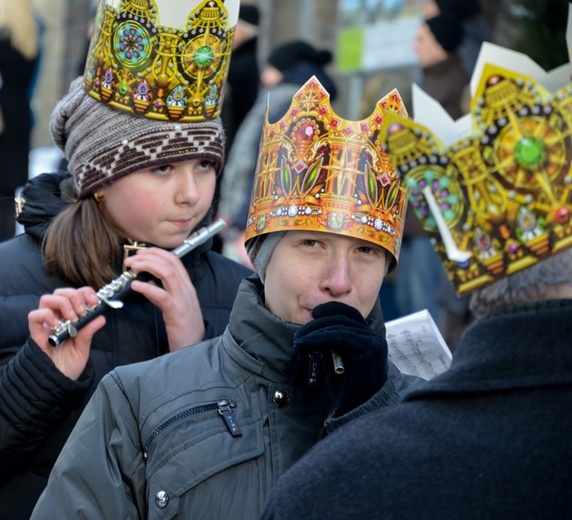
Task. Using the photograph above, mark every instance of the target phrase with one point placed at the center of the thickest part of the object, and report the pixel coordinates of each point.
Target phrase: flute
(339, 367)
(110, 295)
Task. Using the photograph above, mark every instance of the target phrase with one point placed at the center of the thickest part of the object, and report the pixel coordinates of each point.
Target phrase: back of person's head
(290, 54)
(543, 280)
(447, 30)
(462, 9)
(496, 208)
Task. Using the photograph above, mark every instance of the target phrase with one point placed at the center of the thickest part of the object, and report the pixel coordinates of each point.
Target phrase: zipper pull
(315, 358)
(225, 409)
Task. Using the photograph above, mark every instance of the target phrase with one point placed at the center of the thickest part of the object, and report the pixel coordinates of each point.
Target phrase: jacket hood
(45, 196)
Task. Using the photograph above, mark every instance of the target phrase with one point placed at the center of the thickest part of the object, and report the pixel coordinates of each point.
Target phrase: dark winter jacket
(203, 433)
(38, 405)
(488, 439)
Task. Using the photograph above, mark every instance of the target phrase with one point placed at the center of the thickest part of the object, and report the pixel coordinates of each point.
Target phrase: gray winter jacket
(203, 433)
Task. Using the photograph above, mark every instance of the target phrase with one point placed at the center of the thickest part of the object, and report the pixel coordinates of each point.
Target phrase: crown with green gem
(162, 59)
(499, 199)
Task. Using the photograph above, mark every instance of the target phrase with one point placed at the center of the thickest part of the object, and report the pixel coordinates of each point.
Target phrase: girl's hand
(177, 297)
(71, 355)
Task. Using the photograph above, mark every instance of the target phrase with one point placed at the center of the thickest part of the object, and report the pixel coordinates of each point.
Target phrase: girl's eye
(163, 169)
(206, 165)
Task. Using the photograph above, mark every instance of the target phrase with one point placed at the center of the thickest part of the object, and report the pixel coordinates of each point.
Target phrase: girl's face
(163, 204)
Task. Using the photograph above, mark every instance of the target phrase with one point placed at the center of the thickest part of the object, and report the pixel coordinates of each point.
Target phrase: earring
(98, 196)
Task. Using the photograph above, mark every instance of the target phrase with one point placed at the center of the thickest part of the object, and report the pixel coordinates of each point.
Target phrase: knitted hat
(290, 54)
(447, 30)
(103, 144)
(249, 14)
(260, 250)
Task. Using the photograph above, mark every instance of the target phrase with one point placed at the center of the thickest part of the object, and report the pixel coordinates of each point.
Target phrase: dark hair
(291, 54)
(82, 246)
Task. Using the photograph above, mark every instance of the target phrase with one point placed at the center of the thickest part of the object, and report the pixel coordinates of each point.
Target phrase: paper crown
(319, 172)
(162, 59)
(498, 199)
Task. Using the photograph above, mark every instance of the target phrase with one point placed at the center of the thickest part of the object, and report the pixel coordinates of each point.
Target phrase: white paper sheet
(416, 346)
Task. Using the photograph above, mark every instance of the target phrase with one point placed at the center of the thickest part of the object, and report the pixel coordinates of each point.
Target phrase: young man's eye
(310, 243)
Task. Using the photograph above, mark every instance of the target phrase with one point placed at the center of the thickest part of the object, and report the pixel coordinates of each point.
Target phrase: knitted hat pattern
(447, 30)
(292, 53)
(103, 144)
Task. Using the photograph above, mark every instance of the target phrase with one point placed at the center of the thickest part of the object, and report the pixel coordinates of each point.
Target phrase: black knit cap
(249, 14)
(290, 54)
(462, 9)
(447, 30)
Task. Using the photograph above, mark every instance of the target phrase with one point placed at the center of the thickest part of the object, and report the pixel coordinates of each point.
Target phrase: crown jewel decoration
(499, 200)
(319, 172)
(158, 71)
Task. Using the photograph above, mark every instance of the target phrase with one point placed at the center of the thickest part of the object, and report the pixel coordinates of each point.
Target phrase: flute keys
(67, 326)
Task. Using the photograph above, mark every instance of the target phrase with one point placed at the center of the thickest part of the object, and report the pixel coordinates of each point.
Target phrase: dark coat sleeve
(34, 398)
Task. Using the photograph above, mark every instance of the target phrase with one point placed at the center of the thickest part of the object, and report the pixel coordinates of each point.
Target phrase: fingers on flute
(70, 303)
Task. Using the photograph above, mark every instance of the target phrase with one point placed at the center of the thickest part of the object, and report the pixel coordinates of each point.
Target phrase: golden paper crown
(498, 200)
(319, 172)
(162, 59)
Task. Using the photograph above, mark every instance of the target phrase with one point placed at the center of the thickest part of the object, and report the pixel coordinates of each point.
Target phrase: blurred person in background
(19, 36)
(243, 74)
(287, 68)
(242, 85)
(476, 28)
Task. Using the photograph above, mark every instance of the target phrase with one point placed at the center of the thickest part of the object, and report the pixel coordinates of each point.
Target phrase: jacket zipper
(224, 407)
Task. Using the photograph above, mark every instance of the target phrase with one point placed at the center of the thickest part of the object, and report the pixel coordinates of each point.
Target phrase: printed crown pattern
(161, 72)
(319, 172)
(499, 200)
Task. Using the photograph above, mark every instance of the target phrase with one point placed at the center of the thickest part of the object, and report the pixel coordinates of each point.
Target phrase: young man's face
(308, 268)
